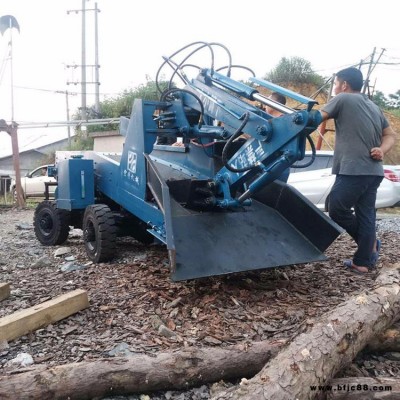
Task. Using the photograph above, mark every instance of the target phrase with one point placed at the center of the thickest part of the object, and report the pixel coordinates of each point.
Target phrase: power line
(59, 91)
(46, 90)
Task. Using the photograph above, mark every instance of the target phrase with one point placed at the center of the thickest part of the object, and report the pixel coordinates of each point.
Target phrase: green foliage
(47, 159)
(392, 102)
(379, 99)
(81, 141)
(396, 112)
(294, 70)
(122, 104)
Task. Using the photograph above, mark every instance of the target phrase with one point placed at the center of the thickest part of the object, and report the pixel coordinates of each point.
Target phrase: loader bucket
(265, 235)
(280, 228)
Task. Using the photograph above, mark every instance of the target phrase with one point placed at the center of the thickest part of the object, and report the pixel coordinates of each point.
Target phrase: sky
(133, 36)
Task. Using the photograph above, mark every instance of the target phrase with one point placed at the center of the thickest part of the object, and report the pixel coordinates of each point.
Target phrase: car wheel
(51, 223)
(99, 233)
(327, 204)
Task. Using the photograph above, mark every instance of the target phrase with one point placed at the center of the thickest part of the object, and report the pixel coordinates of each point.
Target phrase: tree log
(138, 374)
(313, 358)
(363, 389)
(389, 340)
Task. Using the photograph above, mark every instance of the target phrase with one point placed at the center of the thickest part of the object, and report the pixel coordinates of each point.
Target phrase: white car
(33, 184)
(315, 181)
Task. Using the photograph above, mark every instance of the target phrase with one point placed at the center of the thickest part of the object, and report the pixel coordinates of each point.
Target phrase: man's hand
(377, 153)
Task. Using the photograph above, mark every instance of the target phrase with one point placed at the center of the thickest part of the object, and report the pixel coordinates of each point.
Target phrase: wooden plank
(24, 321)
(4, 290)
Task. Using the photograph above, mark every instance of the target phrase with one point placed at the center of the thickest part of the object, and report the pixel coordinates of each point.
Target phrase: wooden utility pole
(372, 65)
(366, 81)
(11, 129)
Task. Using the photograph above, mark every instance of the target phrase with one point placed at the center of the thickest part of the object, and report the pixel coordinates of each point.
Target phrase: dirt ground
(133, 296)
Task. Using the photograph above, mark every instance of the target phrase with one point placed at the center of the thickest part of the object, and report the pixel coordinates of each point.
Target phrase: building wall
(111, 144)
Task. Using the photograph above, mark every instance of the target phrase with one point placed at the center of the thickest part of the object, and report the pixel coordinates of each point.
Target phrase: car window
(321, 161)
(39, 172)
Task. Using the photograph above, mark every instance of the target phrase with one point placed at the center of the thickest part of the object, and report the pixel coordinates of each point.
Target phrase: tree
(114, 108)
(379, 99)
(122, 104)
(295, 70)
(394, 102)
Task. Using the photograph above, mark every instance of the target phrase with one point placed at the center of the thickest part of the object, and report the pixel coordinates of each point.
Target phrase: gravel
(293, 294)
(388, 222)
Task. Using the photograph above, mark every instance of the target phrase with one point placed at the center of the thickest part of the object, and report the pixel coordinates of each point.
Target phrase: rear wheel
(99, 233)
(51, 224)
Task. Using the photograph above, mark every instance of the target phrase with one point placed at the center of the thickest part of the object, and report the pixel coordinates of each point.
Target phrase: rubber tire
(51, 224)
(327, 204)
(99, 233)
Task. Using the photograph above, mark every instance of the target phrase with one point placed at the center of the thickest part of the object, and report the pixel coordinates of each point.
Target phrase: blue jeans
(352, 206)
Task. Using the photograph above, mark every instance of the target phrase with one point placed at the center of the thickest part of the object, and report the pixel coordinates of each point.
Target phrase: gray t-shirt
(359, 124)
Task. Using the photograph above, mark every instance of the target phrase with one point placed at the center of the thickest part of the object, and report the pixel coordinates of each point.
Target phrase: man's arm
(388, 140)
(325, 115)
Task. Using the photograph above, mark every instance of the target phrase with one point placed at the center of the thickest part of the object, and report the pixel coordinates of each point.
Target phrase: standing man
(363, 137)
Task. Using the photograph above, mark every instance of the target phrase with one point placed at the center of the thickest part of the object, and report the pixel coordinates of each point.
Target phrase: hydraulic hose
(227, 146)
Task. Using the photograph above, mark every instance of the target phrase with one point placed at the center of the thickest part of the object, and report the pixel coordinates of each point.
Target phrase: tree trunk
(313, 358)
(138, 374)
(363, 389)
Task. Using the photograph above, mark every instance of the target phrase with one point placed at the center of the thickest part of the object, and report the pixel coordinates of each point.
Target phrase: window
(321, 161)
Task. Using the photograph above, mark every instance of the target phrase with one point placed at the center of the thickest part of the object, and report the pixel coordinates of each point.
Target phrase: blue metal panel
(133, 165)
(75, 184)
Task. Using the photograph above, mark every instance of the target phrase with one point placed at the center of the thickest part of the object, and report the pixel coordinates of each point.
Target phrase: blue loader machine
(215, 200)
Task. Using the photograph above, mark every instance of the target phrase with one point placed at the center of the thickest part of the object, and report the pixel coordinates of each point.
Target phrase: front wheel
(99, 233)
(51, 224)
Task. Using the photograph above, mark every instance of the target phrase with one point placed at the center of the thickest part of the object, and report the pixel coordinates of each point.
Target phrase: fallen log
(313, 358)
(138, 374)
(389, 340)
(362, 389)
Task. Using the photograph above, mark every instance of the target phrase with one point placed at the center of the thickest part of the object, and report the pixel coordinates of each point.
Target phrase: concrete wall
(112, 144)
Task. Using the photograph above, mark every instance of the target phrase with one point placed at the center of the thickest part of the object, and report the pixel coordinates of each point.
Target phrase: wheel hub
(89, 235)
(46, 223)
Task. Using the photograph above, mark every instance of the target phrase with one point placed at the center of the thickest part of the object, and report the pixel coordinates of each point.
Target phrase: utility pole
(68, 127)
(11, 72)
(96, 59)
(83, 75)
(11, 129)
(83, 65)
(371, 67)
(366, 81)
(67, 108)
(9, 22)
